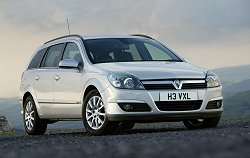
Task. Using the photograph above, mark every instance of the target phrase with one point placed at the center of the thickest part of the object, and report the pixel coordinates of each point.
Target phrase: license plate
(178, 96)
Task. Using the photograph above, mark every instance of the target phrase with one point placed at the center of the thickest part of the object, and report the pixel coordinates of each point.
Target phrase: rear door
(44, 77)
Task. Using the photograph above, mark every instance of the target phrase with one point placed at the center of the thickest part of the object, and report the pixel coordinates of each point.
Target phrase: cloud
(185, 21)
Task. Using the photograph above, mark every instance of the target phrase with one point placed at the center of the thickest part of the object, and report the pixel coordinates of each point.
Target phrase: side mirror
(70, 64)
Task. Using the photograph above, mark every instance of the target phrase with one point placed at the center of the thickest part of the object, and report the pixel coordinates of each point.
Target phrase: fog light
(128, 107)
(134, 107)
(218, 104)
(215, 104)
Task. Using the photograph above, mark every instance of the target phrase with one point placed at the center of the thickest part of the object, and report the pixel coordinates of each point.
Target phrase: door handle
(57, 78)
(37, 77)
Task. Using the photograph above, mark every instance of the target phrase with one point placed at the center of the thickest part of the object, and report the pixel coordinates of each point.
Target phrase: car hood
(155, 70)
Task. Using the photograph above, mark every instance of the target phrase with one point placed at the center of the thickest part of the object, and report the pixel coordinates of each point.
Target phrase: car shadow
(137, 130)
(148, 130)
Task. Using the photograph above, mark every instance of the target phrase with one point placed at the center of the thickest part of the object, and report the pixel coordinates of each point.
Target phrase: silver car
(112, 82)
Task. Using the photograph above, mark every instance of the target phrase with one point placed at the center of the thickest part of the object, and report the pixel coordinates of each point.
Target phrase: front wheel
(202, 123)
(32, 123)
(94, 115)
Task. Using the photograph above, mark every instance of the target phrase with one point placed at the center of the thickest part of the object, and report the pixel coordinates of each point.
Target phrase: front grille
(158, 86)
(171, 86)
(194, 85)
(178, 105)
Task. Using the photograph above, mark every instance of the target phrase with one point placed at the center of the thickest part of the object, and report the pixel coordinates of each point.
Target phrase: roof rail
(75, 35)
(142, 35)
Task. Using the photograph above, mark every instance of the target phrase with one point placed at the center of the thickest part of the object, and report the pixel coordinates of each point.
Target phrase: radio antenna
(68, 25)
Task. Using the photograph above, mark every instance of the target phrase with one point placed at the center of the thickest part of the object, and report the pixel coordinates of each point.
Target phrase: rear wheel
(32, 123)
(94, 115)
(201, 123)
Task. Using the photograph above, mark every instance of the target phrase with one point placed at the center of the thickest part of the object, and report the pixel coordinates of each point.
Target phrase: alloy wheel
(95, 112)
(29, 116)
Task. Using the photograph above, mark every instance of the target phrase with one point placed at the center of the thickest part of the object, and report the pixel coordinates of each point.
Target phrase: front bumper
(163, 117)
(112, 96)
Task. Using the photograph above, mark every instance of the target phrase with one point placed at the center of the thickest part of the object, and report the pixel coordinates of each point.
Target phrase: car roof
(99, 37)
(116, 36)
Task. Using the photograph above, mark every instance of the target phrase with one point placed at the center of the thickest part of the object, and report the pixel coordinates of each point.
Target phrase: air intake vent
(178, 105)
(194, 85)
(158, 86)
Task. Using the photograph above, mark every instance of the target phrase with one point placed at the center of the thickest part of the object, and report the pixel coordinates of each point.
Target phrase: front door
(68, 86)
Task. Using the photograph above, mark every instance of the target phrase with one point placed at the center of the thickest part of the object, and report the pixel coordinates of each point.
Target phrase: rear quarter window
(35, 62)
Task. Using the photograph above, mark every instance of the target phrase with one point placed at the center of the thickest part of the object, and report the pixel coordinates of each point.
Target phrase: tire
(202, 123)
(124, 126)
(94, 116)
(32, 123)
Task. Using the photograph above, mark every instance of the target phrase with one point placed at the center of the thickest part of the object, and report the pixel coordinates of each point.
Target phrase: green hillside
(232, 74)
(237, 106)
(236, 87)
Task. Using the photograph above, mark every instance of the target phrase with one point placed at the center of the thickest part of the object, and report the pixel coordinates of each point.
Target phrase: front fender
(100, 84)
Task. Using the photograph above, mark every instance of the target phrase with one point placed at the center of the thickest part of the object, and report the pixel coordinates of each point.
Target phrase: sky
(211, 34)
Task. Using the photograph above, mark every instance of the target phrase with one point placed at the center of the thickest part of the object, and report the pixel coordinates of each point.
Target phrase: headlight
(124, 81)
(212, 80)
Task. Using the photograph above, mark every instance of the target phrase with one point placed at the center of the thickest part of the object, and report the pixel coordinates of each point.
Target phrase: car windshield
(107, 50)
